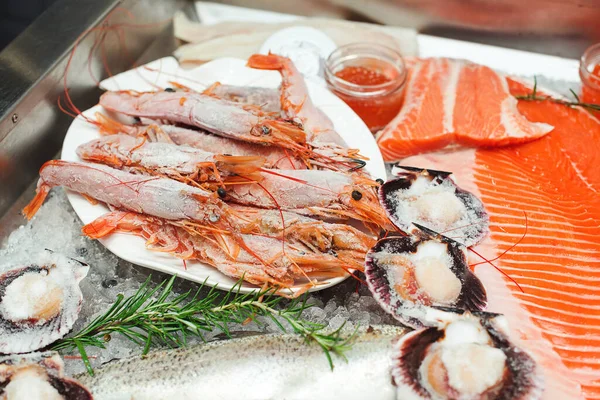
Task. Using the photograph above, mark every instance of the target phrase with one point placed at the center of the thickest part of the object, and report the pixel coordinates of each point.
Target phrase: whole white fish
(257, 367)
(467, 356)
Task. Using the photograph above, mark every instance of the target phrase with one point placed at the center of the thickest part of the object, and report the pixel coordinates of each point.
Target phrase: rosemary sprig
(533, 96)
(152, 315)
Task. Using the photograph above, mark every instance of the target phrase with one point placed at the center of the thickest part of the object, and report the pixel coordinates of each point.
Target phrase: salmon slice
(424, 122)
(555, 183)
(455, 102)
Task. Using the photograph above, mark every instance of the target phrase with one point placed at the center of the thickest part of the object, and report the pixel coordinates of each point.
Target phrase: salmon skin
(553, 183)
(455, 102)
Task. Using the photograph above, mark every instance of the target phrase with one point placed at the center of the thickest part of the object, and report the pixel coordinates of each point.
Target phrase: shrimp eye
(170, 90)
(356, 195)
(265, 130)
(221, 192)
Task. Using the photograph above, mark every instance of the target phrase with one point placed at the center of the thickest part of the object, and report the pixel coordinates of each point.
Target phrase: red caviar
(362, 76)
(370, 79)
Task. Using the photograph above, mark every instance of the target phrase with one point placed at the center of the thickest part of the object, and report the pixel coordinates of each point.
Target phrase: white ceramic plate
(228, 71)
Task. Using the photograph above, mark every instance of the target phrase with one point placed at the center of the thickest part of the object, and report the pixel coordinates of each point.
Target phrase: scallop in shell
(468, 357)
(37, 376)
(39, 301)
(432, 199)
(411, 276)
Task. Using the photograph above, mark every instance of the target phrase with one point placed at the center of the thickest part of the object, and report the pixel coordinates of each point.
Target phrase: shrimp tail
(107, 224)
(34, 205)
(266, 61)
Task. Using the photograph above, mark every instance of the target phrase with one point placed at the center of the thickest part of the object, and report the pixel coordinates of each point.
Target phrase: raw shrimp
(181, 163)
(325, 193)
(295, 100)
(221, 117)
(313, 233)
(163, 237)
(322, 157)
(283, 266)
(275, 157)
(160, 197)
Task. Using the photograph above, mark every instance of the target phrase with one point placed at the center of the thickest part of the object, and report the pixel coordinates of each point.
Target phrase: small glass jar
(370, 78)
(589, 72)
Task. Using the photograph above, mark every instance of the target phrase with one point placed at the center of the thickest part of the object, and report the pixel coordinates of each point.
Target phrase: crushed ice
(57, 227)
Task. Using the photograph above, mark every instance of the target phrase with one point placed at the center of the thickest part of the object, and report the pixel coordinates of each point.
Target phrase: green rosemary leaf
(154, 315)
(574, 94)
(533, 96)
(84, 357)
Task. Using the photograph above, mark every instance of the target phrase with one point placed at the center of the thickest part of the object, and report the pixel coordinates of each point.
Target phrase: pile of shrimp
(255, 182)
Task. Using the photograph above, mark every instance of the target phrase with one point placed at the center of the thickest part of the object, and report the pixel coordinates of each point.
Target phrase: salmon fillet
(554, 182)
(455, 102)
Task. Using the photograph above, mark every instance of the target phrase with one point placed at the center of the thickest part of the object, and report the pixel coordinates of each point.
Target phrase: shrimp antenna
(512, 246)
(486, 261)
(359, 164)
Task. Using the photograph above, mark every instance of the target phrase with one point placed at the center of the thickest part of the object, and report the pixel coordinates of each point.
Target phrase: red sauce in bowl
(370, 79)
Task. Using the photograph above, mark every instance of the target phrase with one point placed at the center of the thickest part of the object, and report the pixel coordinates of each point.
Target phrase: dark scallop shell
(414, 311)
(471, 223)
(521, 379)
(30, 334)
(48, 369)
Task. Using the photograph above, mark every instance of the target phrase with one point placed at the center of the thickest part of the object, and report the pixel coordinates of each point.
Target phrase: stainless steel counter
(32, 70)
